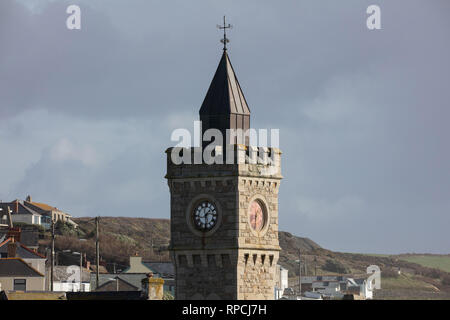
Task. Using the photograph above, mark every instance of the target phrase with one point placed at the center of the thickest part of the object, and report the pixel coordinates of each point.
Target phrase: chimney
(135, 262)
(28, 198)
(17, 206)
(152, 288)
(12, 248)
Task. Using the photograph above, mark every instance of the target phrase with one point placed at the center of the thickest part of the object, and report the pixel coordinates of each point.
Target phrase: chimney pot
(12, 249)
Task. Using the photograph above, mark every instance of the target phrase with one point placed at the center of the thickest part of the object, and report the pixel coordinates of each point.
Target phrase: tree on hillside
(335, 266)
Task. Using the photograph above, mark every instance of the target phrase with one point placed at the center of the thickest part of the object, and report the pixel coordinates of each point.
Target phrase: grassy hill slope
(437, 261)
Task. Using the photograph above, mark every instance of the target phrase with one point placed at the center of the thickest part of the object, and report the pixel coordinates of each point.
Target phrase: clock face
(256, 215)
(205, 216)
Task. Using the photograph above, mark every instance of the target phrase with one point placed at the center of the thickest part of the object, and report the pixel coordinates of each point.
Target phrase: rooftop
(11, 267)
(22, 251)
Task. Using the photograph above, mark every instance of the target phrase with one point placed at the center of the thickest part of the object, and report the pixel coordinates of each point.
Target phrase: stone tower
(224, 217)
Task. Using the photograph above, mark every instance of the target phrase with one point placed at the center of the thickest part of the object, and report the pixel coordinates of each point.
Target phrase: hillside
(440, 261)
(122, 237)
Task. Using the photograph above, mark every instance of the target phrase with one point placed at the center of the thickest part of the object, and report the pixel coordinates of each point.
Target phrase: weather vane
(224, 27)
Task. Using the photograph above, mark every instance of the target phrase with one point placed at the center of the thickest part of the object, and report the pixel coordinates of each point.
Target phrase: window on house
(20, 284)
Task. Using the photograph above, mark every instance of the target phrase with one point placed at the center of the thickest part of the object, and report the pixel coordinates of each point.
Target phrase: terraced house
(37, 213)
(20, 213)
(17, 275)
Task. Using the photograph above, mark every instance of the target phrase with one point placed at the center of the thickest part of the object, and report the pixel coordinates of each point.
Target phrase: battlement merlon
(238, 160)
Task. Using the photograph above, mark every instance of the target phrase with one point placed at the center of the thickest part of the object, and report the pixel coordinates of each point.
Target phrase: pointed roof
(224, 95)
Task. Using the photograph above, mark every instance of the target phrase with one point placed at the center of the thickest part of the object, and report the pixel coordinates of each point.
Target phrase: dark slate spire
(225, 106)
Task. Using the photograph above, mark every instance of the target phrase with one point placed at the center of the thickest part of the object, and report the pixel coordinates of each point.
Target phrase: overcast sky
(85, 115)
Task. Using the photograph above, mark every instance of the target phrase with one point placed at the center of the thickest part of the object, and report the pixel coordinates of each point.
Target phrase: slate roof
(134, 279)
(224, 106)
(163, 269)
(224, 95)
(22, 251)
(16, 267)
(21, 208)
(124, 285)
(28, 236)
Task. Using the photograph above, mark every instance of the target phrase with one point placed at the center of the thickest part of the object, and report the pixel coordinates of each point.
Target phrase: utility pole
(315, 265)
(52, 254)
(152, 252)
(97, 251)
(81, 270)
(300, 272)
(306, 270)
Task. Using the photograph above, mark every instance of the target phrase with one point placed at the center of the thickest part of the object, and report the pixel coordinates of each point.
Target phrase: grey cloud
(362, 114)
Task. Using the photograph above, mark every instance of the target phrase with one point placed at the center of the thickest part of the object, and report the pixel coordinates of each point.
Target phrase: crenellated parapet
(237, 160)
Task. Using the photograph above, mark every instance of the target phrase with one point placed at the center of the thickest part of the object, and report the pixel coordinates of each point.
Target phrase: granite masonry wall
(232, 261)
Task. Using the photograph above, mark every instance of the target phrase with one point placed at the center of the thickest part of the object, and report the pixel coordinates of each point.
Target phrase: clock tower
(224, 216)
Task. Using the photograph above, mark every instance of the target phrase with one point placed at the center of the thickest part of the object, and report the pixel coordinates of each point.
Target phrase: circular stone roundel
(204, 216)
(257, 215)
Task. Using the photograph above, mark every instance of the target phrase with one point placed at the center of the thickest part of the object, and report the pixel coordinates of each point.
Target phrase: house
(136, 266)
(26, 235)
(159, 269)
(17, 275)
(330, 289)
(131, 278)
(4, 220)
(289, 294)
(130, 286)
(281, 281)
(118, 284)
(164, 270)
(360, 289)
(338, 287)
(110, 281)
(10, 248)
(20, 213)
(48, 212)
